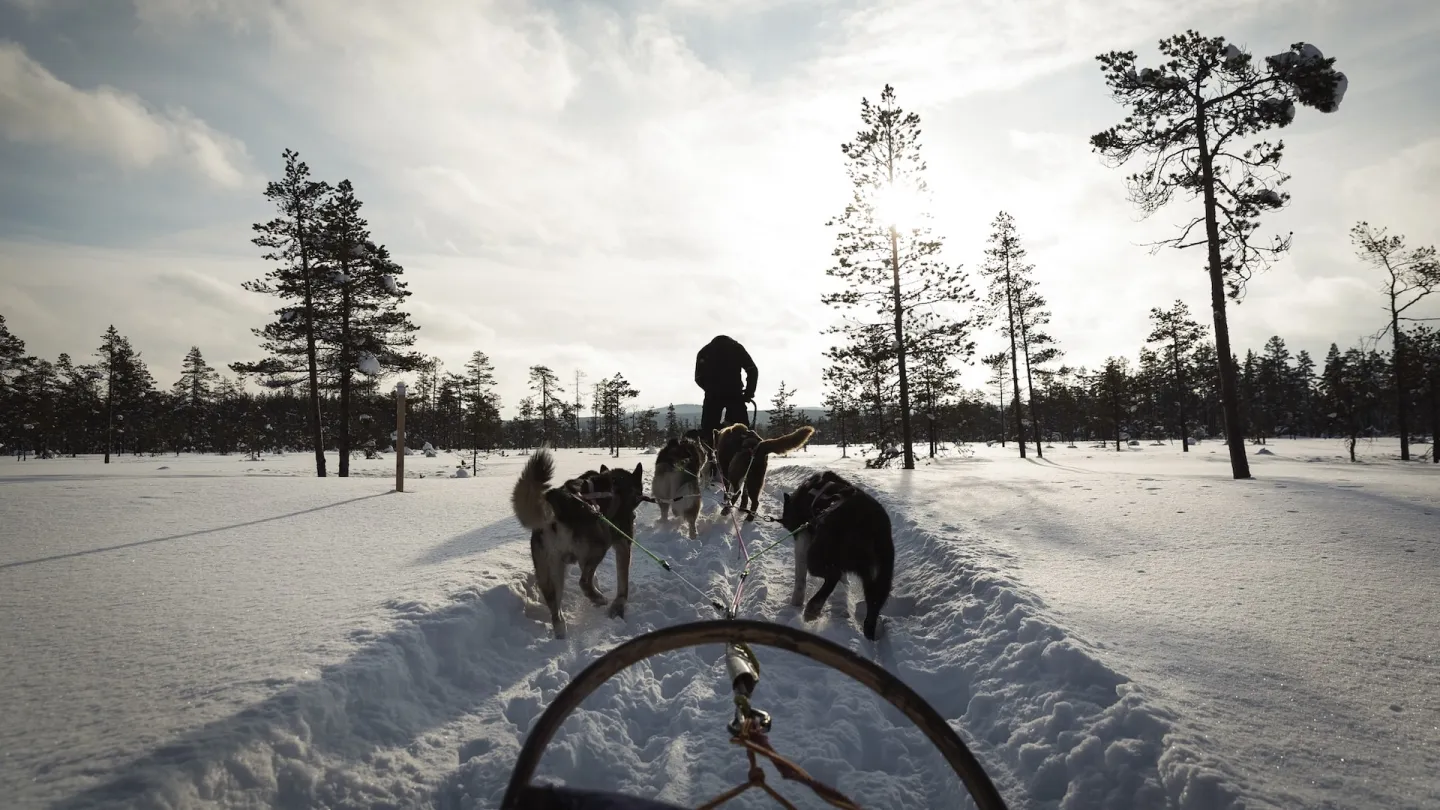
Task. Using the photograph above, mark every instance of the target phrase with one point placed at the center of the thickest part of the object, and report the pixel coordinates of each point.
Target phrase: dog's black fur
(845, 530)
(742, 457)
(565, 527)
(681, 471)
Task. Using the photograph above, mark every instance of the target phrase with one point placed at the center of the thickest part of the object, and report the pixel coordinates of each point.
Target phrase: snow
(1281, 62)
(368, 364)
(1232, 53)
(1269, 197)
(390, 285)
(1341, 85)
(1105, 629)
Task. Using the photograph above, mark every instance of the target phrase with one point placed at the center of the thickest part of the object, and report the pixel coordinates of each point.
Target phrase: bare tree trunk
(1180, 395)
(1402, 400)
(1030, 386)
(1234, 428)
(345, 369)
(1014, 361)
(900, 350)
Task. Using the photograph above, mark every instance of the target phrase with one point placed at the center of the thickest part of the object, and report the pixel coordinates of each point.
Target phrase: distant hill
(691, 411)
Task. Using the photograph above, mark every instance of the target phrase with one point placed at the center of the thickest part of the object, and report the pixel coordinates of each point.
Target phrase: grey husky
(839, 529)
(566, 527)
(680, 468)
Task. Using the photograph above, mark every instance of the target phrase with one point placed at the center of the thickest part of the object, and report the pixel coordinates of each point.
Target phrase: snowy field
(1105, 629)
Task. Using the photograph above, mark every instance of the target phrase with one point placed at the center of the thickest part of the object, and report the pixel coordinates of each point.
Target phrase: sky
(605, 186)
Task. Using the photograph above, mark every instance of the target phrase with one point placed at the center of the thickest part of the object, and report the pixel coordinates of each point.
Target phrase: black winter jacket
(718, 367)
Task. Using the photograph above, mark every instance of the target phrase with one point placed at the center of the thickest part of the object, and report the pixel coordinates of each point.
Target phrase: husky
(839, 529)
(741, 457)
(566, 527)
(680, 468)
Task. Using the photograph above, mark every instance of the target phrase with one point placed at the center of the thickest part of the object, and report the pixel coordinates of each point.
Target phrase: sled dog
(839, 529)
(741, 456)
(680, 468)
(565, 527)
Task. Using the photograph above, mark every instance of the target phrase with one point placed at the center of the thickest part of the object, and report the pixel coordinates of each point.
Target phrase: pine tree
(362, 327)
(613, 394)
(1112, 387)
(1013, 300)
(935, 382)
(1186, 117)
(840, 400)
(1410, 275)
(1180, 334)
(547, 387)
(195, 394)
(782, 411)
(12, 354)
(12, 363)
(886, 257)
(1423, 343)
(996, 363)
(294, 241)
(672, 423)
(127, 381)
(478, 393)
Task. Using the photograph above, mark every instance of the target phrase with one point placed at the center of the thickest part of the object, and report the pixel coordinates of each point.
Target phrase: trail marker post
(400, 437)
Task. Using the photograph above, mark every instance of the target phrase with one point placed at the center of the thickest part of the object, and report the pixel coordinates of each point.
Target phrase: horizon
(518, 161)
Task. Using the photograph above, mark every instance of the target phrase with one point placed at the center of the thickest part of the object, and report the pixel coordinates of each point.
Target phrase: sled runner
(748, 727)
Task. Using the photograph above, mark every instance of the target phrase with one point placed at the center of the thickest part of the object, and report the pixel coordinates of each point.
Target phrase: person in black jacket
(717, 372)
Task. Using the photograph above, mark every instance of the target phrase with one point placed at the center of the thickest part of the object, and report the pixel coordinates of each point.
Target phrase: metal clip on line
(743, 679)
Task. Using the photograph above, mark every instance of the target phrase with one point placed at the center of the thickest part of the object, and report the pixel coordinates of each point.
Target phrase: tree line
(1169, 391)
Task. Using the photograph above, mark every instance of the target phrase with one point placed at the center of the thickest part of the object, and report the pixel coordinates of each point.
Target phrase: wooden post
(400, 437)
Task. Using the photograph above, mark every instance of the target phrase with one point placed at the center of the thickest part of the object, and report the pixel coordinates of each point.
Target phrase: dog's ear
(639, 470)
(785, 503)
(604, 469)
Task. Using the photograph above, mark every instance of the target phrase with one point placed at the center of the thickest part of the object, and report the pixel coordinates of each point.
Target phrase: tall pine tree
(294, 242)
(1186, 118)
(886, 257)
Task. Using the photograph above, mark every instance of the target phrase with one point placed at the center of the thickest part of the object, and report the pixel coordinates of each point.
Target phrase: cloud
(608, 187)
(60, 298)
(38, 108)
(1403, 185)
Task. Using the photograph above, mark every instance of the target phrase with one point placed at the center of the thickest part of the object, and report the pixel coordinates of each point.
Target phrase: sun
(899, 205)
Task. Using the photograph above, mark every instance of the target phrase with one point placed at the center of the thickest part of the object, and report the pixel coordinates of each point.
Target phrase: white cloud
(578, 187)
(38, 108)
(60, 298)
(1403, 186)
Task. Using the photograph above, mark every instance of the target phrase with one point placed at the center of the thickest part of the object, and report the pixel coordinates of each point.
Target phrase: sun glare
(898, 205)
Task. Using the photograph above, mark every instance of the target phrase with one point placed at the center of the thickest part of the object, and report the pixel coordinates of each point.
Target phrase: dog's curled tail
(793, 440)
(528, 497)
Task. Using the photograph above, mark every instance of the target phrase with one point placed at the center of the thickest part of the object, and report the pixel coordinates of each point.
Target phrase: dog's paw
(797, 599)
(812, 612)
(560, 629)
(597, 599)
(617, 610)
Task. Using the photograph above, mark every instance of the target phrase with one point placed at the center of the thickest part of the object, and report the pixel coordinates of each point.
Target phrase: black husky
(845, 531)
(565, 527)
